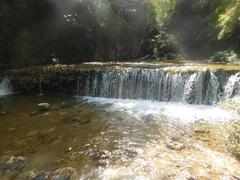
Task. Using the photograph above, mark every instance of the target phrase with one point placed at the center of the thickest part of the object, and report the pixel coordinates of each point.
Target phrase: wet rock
(149, 118)
(14, 163)
(103, 162)
(27, 175)
(11, 129)
(67, 173)
(100, 155)
(197, 131)
(63, 174)
(74, 156)
(3, 113)
(68, 149)
(174, 145)
(80, 121)
(43, 175)
(34, 113)
(43, 106)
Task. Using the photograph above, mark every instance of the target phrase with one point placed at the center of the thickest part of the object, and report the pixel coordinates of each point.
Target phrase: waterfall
(232, 87)
(165, 83)
(5, 87)
(193, 89)
(158, 85)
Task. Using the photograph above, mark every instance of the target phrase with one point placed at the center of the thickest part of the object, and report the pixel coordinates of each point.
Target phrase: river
(103, 134)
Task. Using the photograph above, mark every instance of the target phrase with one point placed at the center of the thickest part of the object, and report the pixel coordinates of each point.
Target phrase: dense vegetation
(35, 31)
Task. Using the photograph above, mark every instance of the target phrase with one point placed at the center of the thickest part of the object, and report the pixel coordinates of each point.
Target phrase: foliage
(228, 13)
(160, 11)
(224, 56)
(164, 46)
(85, 30)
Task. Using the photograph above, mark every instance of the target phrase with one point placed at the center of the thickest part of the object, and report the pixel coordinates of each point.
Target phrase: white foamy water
(5, 88)
(178, 112)
(232, 87)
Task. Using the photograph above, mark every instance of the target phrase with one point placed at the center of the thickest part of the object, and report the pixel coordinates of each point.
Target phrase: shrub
(164, 46)
(224, 56)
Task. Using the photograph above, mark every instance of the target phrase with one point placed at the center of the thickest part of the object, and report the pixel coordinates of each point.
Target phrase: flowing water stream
(127, 123)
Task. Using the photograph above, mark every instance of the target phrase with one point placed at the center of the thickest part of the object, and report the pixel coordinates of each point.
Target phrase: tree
(228, 14)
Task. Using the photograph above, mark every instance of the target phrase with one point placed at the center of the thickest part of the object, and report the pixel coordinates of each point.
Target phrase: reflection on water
(116, 139)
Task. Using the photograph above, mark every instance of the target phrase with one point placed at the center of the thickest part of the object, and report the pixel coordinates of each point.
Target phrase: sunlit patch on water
(159, 163)
(118, 139)
(140, 150)
(179, 112)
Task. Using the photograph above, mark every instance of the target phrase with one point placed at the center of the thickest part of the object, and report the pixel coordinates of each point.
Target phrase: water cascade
(232, 87)
(5, 87)
(154, 84)
(165, 82)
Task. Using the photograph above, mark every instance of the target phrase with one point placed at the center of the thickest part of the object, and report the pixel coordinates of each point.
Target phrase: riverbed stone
(27, 175)
(43, 175)
(3, 113)
(67, 173)
(34, 113)
(63, 174)
(43, 106)
(80, 121)
(201, 131)
(174, 145)
(14, 163)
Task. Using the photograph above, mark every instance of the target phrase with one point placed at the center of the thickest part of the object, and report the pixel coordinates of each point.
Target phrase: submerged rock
(63, 174)
(43, 175)
(34, 113)
(3, 113)
(67, 173)
(43, 107)
(13, 164)
(199, 131)
(80, 121)
(27, 175)
(174, 145)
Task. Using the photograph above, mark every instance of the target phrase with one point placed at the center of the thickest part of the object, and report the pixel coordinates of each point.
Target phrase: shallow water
(115, 139)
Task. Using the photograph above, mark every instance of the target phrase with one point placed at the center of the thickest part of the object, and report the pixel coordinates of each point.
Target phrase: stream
(113, 132)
